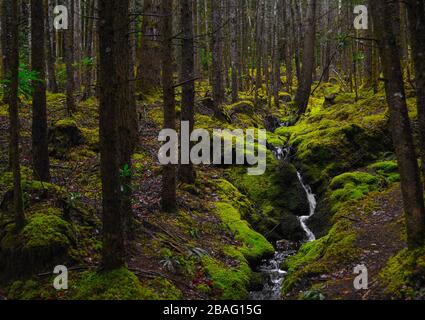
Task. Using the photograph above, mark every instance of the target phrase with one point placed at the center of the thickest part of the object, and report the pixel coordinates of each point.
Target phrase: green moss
(230, 282)
(24, 290)
(402, 273)
(335, 139)
(4, 110)
(164, 289)
(255, 246)
(91, 136)
(65, 123)
(388, 169)
(318, 257)
(234, 211)
(47, 229)
(120, 284)
(351, 186)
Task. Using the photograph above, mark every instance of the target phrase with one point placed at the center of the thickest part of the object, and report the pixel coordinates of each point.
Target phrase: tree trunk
(187, 173)
(69, 60)
(217, 54)
(50, 63)
(304, 89)
(149, 64)
(169, 202)
(111, 15)
(412, 189)
(234, 50)
(40, 150)
(10, 23)
(416, 13)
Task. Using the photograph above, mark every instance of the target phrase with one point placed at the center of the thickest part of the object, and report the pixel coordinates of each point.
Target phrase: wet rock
(290, 228)
(293, 197)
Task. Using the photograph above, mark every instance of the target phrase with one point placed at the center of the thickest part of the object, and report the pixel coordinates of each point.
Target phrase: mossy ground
(205, 250)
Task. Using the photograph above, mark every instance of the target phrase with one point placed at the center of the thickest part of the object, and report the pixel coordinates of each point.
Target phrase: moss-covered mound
(278, 197)
(64, 135)
(235, 205)
(404, 275)
(338, 138)
(319, 257)
(229, 283)
(122, 284)
(42, 243)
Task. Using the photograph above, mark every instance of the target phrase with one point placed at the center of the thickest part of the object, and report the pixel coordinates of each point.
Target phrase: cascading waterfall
(271, 268)
(312, 204)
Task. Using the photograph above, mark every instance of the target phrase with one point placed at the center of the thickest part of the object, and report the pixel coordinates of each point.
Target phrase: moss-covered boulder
(122, 284)
(404, 275)
(42, 243)
(229, 282)
(64, 135)
(278, 196)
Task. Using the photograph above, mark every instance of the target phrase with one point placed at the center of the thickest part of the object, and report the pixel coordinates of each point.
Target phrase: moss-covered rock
(231, 211)
(404, 275)
(277, 195)
(318, 257)
(43, 241)
(120, 284)
(64, 135)
(333, 140)
(351, 186)
(229, 282)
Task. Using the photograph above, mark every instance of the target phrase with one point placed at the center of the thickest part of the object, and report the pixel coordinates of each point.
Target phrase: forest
(212, 150)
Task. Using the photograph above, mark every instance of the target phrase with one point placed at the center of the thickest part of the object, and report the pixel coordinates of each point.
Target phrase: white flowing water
(274, 274)
(311, 197)
(272, 268)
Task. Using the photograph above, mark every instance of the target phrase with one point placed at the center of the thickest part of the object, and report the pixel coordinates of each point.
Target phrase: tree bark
(234, 50)
(52, 84)
(40, 149)
(149, 63)
(217, 54)
(110, 14)
(69, 60)
(187, 173)
(10, 34)
(412, 189)
(304, 89)
(169, 202)
(416, 13)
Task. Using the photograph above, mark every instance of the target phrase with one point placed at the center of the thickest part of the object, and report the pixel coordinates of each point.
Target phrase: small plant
(197, 253)
(313, 295)
(194, 233)
(170, 263)
(26, 81)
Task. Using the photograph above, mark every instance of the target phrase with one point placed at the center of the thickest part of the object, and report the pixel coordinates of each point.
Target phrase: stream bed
(271, 268)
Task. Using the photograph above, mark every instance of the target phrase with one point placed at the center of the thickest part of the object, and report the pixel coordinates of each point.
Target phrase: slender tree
(217, 53)
(111, 15)
(187, 173)
(304, 88)
(149, 63)
(40, 149)
(400, 124)
(169, 202)
(69, 60)
(9, 26)
(52, 84)
(234, 49)
(416, 13)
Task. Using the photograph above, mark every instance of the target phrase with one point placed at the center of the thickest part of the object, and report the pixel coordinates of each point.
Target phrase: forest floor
(205, 251)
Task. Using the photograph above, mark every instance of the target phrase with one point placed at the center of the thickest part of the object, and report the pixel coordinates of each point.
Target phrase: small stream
(271, 267)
